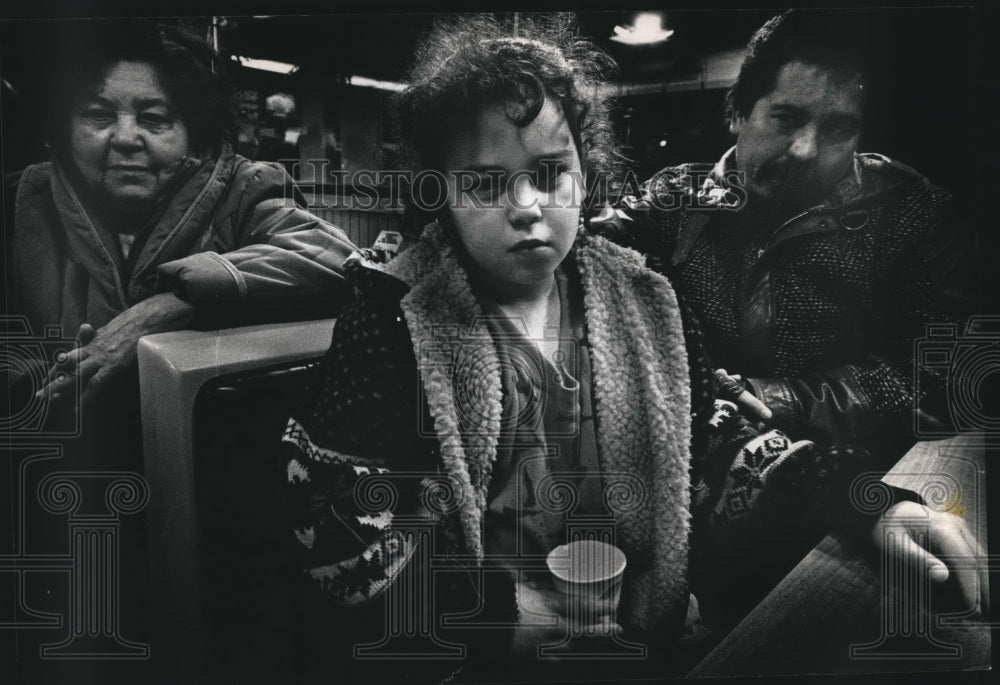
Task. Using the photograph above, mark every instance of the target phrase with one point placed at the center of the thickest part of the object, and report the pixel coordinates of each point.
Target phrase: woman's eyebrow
(142, 103)
(97, 100)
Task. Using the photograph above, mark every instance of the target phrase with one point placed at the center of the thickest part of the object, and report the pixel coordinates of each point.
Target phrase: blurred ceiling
(381, 45)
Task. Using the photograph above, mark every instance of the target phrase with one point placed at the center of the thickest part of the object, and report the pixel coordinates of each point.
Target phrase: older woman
(145, 221)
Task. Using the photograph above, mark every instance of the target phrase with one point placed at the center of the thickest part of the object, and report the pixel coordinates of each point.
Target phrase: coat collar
(464, 393)
(869, 175)
(195, 191)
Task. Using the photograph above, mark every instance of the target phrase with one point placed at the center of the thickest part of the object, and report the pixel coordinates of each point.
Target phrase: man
(812, 268)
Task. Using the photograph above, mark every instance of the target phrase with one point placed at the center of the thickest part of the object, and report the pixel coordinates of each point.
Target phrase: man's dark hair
(190, 70)
(821, 38)
(471, 62)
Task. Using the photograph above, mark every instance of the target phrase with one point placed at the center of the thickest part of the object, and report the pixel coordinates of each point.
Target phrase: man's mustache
(788, 172)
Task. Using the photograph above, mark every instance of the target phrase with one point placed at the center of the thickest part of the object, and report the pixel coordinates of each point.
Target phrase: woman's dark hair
(467, 63)
(191, 72)
(828, 39)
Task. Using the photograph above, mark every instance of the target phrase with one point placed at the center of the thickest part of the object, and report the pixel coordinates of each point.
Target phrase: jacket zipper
(96, 238)
(143, 261)
(819, 209)
(771, 242)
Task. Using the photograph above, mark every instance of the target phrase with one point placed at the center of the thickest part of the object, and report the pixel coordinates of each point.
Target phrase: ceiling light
(267, 65)
(647, 29)
(366, 82)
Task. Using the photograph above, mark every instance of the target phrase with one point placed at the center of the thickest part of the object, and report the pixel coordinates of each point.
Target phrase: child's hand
(731, 387)
(543, 617)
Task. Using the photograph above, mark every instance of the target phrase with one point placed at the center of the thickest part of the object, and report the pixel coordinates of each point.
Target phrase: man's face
(799, 140)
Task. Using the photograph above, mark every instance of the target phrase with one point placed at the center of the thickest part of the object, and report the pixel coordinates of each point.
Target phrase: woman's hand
(102, 354)
(948, 536)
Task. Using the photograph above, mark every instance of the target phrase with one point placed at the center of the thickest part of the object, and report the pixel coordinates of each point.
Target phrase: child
(509, 380)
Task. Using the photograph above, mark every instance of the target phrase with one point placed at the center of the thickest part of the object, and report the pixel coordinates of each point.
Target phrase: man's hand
(731, 388)
(949, 536)
(100, 355)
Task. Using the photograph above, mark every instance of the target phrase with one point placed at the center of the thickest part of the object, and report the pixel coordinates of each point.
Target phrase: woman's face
(126, 139)
(514, 194)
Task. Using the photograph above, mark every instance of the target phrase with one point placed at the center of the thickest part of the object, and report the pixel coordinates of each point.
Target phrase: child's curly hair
(469, 62)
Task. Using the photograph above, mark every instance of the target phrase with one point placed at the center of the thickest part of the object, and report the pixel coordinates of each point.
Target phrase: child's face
(518, 221)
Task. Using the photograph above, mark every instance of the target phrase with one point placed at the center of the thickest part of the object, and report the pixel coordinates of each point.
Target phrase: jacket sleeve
(752, 482)
(924, 277)
(929, 281)
(643, 222)
(284, 263)
(358, 479)
(344, 459)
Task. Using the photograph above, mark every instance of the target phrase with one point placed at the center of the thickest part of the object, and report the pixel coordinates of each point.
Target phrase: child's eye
(486, 187)
(549, 176)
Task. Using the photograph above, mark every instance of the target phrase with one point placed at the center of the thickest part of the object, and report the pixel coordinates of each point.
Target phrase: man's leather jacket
(821, 313)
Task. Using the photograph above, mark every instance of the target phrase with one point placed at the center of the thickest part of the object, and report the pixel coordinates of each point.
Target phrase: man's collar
(847, 189)
(716, 188)
(727, 163)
